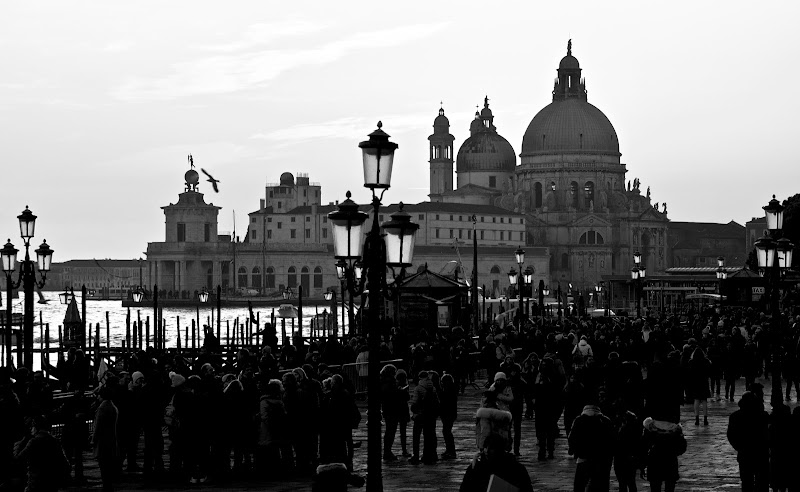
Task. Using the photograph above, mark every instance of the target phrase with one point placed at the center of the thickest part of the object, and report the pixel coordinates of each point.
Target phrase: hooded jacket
(592, 435)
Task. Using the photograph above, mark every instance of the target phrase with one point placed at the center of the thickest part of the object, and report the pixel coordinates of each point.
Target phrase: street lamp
(721, 275)
(66, 296)
(138, 294)
(202, 296)
(519, 255)
(638, 272)
(26, 278)
(774, 258)
(395, 251)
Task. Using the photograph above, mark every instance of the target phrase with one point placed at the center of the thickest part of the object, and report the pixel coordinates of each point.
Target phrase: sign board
(443, 316)
(759, 290)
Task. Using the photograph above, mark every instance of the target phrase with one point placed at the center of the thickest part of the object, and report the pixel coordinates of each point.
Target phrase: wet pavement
(708, 464)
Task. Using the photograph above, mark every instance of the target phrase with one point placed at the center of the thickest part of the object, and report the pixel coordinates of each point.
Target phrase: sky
(101, 102)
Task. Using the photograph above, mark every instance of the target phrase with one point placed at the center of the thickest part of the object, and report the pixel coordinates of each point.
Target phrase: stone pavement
(708, 464)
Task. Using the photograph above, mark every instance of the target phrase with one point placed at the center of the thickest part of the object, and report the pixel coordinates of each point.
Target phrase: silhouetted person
(748, 433)
(494, 461)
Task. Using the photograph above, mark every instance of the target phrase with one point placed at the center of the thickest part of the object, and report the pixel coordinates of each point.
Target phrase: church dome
(486, 151)
(287, 179)
(570, 125)
(569, 61)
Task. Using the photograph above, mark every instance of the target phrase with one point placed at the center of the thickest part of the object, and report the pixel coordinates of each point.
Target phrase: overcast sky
(100, 102)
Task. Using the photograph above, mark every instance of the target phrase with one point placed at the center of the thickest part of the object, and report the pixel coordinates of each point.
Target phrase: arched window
(588, 193)
(270, 279)
(537, 195)
(590, 237)
(291, 278)
(317, 277)
(242, 280)
(256, 283)
(495, 269)
(305, 280)
(564, 261)
(573, 194)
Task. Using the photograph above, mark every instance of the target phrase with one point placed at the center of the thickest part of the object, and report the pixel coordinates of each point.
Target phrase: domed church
(569, 183)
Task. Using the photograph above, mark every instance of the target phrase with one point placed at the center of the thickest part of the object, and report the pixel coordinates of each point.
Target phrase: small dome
(486, 113)
(191, 177)
(486, 151)
(570, 62)
(441, 121)
(287, 179)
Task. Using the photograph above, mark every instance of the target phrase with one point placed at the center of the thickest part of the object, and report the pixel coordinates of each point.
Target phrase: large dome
(570, 125)
(486, 151)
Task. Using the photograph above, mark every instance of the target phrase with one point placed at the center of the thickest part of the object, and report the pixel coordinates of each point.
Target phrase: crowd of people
(613, 387)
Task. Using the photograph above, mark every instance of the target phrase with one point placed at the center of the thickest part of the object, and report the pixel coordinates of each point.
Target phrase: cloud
(351, 127)
(227, 73)
(265, 33)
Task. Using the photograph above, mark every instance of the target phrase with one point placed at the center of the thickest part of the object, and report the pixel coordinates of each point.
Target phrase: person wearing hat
(503, 392)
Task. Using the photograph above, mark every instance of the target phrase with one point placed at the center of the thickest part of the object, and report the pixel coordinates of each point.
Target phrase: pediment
(590, 220)
(652, 214)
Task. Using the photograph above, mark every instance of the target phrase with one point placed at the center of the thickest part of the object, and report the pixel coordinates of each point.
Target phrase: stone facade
(570, 186)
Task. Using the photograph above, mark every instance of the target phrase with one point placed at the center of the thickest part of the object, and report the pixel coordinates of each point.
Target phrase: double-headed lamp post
(774, 258)
(393, 249)
(26, 278)
(638, 272)
(518, 280)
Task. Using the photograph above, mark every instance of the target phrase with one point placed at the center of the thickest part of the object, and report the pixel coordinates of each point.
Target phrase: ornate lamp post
(26, 278)
(528, 277)
(638, 272)
(545, 293)
(393, 249)
(774, 258)
(330, 296)
(721, 275)
(519, 255)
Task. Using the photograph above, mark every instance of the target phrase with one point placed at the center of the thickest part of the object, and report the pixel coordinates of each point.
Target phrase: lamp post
(558, 295)
(638, 272)
(545, 293)
(393, 249)
(330, 296)
(528, 278)
(774, 258)
(26, 278)
(721, 275)
(519, 255)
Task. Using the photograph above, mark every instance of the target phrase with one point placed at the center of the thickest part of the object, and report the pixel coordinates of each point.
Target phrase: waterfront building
(107, 279)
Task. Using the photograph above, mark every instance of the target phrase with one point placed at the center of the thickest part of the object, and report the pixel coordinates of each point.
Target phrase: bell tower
(441, 157)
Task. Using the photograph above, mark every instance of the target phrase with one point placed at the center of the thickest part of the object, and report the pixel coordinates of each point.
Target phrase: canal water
(53, 312)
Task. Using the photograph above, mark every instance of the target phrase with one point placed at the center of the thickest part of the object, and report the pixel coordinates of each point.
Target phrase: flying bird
(211, 180)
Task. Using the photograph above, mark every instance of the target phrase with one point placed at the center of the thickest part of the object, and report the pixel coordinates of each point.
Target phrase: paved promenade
(708, 464)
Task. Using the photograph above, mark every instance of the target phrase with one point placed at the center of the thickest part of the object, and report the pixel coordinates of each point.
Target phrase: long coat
(104, 438)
